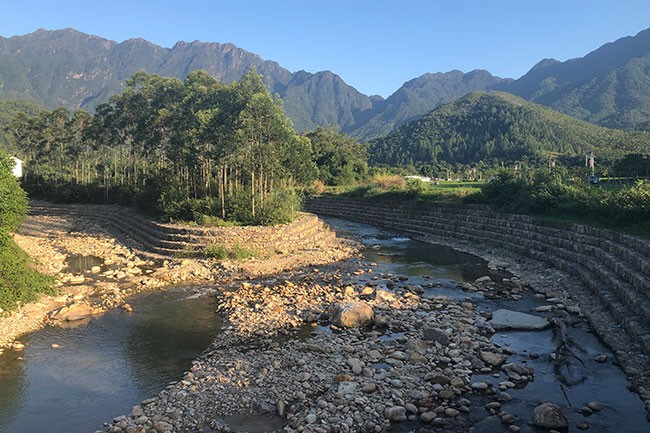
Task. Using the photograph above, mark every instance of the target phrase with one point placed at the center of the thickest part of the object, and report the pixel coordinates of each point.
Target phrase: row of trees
(188, 147)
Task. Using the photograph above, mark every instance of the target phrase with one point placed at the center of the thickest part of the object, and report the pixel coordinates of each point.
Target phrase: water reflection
(103, 368)
(403, 256)
(77, 264)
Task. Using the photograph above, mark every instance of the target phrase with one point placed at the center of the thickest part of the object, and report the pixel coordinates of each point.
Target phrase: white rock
(508, 319)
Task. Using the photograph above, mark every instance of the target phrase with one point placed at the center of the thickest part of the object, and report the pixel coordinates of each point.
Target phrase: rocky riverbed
(320, 345)
(320, 352)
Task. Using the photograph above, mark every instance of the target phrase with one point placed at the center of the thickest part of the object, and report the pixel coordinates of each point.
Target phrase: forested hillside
(66, 68)
(498, 127)
(609, 86)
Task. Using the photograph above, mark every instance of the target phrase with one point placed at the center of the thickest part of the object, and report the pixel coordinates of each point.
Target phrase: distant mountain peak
(609, 86)
(545, 63)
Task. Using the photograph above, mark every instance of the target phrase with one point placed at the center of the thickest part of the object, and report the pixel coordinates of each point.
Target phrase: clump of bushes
(19, 282)
(276, 207)
(387, 182)
(236, 252)
(557, 194)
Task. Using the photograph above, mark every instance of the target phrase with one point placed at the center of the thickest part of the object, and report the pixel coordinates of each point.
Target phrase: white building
(420, 178)
(18, 167)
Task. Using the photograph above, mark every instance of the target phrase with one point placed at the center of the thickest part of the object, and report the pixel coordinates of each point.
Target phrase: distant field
(443, 191)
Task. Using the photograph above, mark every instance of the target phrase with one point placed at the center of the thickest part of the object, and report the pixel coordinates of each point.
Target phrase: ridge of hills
(499, 127)
(609, 86)
(76, 70)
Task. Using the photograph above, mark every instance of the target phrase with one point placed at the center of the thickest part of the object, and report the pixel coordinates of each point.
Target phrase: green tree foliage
(340, 159)
(186, 148)
(13, 200)
(498, 127)
(18, 281)
(633, 165)
(558, 193)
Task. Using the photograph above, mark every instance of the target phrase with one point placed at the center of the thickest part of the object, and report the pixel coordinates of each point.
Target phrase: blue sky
(374, 46)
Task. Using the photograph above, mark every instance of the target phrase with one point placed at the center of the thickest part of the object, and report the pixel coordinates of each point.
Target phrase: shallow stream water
(103, 367)
(599, 382)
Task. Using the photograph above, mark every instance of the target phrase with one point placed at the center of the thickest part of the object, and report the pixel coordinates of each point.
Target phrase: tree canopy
(340, 159)
(192, 146)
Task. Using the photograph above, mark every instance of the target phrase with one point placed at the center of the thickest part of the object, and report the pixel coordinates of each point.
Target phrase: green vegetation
(18, 281)
(498, 128)
(340, 159)
(557, 194)
(609, 86)
(394, 187)
(179, 149)
(236, 252)
(9, 109)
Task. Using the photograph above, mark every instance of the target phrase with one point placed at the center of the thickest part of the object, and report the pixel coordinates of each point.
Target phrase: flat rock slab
(508, 319)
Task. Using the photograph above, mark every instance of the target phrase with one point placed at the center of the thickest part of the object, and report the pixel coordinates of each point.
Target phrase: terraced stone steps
(165, 240)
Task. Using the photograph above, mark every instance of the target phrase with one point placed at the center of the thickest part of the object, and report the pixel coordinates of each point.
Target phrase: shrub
(631, 205)
(18, 281)
(317, 188)
(13, 200)
(241, 252)
(386, 182)
(237, 252)
(217, 251)
(278, 207)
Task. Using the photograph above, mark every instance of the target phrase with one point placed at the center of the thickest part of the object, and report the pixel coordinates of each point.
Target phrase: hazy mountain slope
(609, 86)
(419, 96)
(69, 68)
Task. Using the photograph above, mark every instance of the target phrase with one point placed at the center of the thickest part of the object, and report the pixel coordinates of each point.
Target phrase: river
(101, 368)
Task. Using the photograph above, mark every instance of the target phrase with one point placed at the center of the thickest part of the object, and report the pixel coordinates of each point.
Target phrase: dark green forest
(496, 128)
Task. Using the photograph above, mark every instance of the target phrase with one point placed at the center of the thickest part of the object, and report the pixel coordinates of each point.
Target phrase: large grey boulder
(508, 319)
(550, 417)
(351, 314)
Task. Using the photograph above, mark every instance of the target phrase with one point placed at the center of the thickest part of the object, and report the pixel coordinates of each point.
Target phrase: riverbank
(424, 362)
(605, 271)
(55, 240)
(285, 359)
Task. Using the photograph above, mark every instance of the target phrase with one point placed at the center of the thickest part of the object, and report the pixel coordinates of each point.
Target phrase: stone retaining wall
(307, 232)
(614, 268)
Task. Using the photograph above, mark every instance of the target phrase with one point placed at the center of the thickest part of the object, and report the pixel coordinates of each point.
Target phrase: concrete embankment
(613, 269)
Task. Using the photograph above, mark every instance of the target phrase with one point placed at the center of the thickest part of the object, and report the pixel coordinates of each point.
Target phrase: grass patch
(388, 188)
(236, 252)
(19, 282)
(212, 221)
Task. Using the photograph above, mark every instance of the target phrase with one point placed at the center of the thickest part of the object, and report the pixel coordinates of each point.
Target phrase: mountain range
(609, 86)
